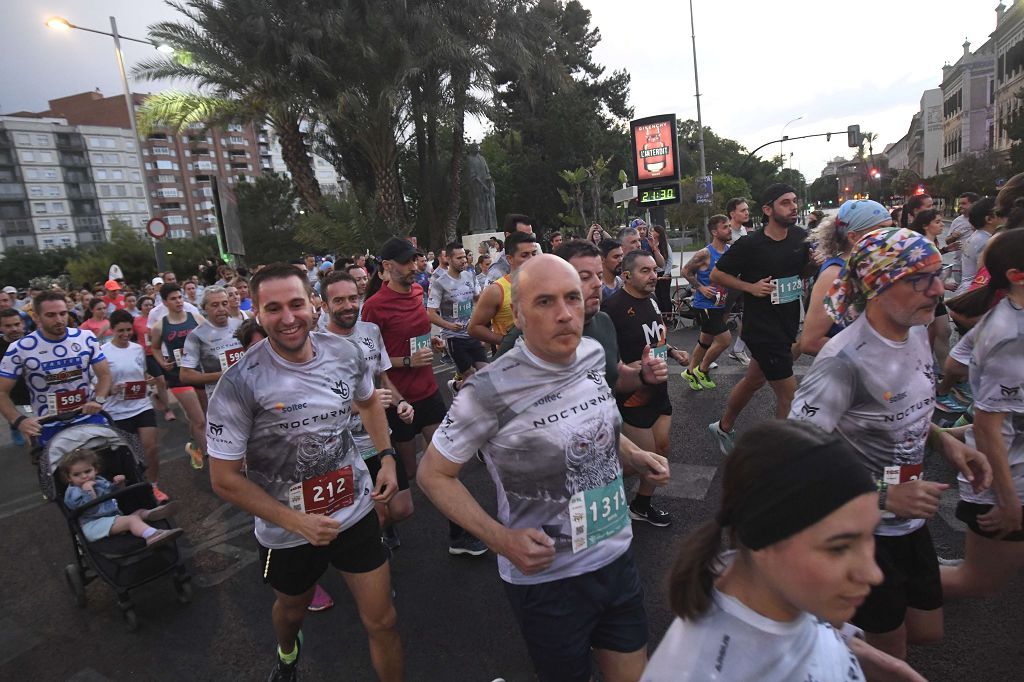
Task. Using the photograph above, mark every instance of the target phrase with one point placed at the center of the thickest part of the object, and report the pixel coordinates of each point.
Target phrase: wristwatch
(406, 361)
(883, 494)
(387, 452)
(101, 399)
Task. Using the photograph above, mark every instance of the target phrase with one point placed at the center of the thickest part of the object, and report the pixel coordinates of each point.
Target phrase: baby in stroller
(80, 469)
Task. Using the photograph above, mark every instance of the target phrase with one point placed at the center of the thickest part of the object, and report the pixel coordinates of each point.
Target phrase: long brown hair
(758, 451)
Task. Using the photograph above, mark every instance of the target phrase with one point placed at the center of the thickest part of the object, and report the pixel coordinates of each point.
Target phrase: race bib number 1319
(597, 514)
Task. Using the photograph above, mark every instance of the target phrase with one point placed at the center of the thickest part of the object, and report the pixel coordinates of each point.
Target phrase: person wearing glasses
(873, 384)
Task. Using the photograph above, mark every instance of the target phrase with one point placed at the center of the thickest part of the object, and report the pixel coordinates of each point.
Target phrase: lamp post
(62, 24)
(783, 136)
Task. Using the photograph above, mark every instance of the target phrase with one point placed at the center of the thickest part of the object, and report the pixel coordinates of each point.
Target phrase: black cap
(398, 249)
(772, 192)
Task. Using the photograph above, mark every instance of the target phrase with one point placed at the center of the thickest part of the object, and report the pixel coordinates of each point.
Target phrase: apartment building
(968, 96)
(48, 192)
(272, 161)
(1008, 41)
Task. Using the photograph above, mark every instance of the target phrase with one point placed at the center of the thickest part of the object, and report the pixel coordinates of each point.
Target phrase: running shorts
(911, 580)
(294, 570)
(466, 353)
(711, 320)
(373, 464)
(153, 368)
(968, 512)
(142, 420)
(774, 359)
(428, 412)
(563, 620)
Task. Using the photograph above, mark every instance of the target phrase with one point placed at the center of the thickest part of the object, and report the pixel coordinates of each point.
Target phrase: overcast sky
(761, 63)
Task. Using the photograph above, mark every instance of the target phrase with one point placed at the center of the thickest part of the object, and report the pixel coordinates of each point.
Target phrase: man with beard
(709, 305)
(12, 328)
(640, 330)
(611, 267)
(281, 450)
(64, 368)
(545, 419)
(450, 307)
(873, 383)
(342, 301)
(769, 267)
(397, 309)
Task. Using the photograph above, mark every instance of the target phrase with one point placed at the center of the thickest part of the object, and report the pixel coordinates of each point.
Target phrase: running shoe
(453, 386)
(466, 544)
(652, 515)
(704, 380)
(962, 392)
(713, 365)
(390, 538)
(160, 495)
(17, 438)
(287, 672)
(162, 537)
(949, 403)
(691, 379)
(321, 600)
(740, 357)
(195, 454)
(726, 439)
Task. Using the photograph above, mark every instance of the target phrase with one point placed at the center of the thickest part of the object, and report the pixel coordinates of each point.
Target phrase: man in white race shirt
(873, 384)
(453, 293)
(159, 310)
(547, 424)
(280, 449)
(211, 347)
(64, 368)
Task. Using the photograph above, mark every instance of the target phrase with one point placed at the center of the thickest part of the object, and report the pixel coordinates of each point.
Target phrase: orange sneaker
(196, 454)
(160, 495)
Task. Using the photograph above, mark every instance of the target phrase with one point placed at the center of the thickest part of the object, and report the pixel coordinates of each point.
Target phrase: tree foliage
(20, 265)
(266, 210)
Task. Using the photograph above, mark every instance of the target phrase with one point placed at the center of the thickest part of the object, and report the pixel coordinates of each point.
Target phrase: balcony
(68, 142)
(10, 228)
(77, 176)
(81, 192)
(87, 224)
(158, 137)
(73, 160)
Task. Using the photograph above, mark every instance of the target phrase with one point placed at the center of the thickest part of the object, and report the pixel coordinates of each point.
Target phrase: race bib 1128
(787, 290)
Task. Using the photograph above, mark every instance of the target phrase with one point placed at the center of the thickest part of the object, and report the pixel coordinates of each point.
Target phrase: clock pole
(700, 124)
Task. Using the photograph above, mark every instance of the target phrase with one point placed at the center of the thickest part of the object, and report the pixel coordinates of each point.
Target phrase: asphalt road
(453, 616)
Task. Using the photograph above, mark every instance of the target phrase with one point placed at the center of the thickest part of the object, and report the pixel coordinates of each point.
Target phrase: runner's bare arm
(649, 466)
(817, 323)
(104, 380)
(530, 549)
(435, 318)
(485, 310)
(156, 345)
(231, 485)
(194, 377)
(697, 262)
(7, 408)
(723, 279)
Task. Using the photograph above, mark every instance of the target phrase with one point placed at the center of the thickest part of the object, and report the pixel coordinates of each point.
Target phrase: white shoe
(740, 357)
(713, 365)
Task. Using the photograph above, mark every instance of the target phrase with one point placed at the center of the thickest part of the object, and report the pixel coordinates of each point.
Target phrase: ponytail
(695, 571)
(1003, 252)
(975, 302)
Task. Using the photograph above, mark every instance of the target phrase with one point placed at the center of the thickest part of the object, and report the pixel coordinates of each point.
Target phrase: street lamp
(782, 137)
(62, 24)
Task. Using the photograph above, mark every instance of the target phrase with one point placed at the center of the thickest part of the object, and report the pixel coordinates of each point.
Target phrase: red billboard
(654, 149)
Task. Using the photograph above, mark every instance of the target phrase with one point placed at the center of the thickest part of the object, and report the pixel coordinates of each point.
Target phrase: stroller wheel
(131, 621)
(76, 584)
(184, 590)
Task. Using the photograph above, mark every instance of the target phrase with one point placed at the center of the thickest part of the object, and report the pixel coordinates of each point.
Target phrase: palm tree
(247, 57)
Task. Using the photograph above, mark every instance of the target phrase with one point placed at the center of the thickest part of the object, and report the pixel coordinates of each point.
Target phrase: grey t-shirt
(879, 395)
(289, 422)
(367, 338)
(997, 381)
(970, 258)
(733, 642)
(453, 300)
(550, 434)
(206, 348)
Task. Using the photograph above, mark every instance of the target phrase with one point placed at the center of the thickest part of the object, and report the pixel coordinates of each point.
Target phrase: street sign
(705, 189)
(156, 228)
(621, 196)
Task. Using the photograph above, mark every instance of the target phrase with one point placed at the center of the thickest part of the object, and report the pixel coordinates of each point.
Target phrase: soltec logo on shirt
(281, 407)
(894, 398)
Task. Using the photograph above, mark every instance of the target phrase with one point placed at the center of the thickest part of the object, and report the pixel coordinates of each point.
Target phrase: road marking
(88, 675)
(224, 523)
(689, 482)
(20, 504)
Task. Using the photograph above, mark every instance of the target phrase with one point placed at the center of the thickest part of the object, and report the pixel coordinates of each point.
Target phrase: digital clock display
(653, 196)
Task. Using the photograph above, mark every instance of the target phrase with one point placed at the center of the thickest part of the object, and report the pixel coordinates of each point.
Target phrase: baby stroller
(122, 561)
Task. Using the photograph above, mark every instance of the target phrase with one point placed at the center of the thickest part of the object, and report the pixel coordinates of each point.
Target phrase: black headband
(798, 494)
(771, 193)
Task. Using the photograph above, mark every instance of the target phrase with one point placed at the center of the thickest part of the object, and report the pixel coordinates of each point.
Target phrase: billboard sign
(655, 158)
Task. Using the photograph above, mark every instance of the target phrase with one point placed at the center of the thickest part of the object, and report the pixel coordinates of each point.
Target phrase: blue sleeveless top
(704, 279)
(841, 262)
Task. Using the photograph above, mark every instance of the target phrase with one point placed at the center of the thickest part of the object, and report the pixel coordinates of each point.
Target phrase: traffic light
(853, 136)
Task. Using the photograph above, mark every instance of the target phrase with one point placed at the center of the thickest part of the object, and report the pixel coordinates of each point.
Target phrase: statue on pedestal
(482, 217)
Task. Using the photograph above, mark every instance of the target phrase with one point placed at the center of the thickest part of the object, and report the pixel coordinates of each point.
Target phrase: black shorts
(968, 512)
(644, 416)
(373, 464)
(153, 369)
(428, 412)
(140, 421)
(775, 359)
(295, 570)
(466, 353)
(563, 620)
(911, 580)
(711, 320)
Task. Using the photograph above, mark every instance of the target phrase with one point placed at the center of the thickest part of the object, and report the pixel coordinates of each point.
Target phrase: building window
(163, 165)
(117, 175)
(32, 173)
(162, 151)
(28, 156)
(45, 156)
(35, 191)
(96, 158)
(136, 177)
(39, 206)
(52, 191)
(47, 243)
(113, 158)
(50, 173)
(121, 190)
(43, 140)
(65, 241)
(23, 138)
(44, 224)
(57, 206)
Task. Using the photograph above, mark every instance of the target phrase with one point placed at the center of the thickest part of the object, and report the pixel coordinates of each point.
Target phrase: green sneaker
(692, 380)
(704, 379)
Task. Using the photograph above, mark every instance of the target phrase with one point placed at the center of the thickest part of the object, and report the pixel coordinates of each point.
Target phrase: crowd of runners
(311, 396)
